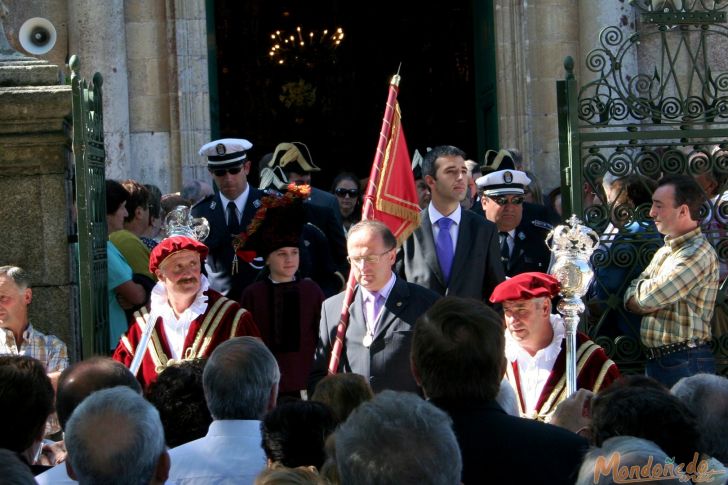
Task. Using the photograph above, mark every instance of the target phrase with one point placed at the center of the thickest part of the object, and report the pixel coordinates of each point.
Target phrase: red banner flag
(391, 197)
(395, 200)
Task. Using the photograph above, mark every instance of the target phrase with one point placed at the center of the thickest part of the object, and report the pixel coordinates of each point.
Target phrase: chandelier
(308, 47)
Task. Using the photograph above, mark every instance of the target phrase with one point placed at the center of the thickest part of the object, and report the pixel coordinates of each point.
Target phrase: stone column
(193, 104)
(98, 36)
(532, 40)
(34, 170)
(149, 105)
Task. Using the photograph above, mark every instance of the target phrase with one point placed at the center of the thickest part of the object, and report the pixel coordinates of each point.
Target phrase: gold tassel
(234, 269)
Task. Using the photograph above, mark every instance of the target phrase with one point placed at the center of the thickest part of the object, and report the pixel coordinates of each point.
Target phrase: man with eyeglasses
(453, 252)
(522, 242)
(381, 318)
(228, 211)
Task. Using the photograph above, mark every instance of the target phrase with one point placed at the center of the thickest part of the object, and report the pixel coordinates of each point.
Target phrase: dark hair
(139, 196)
(178, 396)
(429, 166)
(116, 194)
(645, 412)
(377, 227)
(346, 176)
(637, 188)
(79, 380)
(458, 350)
(342, 393)
(155, 201)
(14, 470)
(295, 432)
(687, 191)
(26, 401)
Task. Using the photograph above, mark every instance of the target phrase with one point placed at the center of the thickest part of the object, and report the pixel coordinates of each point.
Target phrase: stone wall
(35, 212)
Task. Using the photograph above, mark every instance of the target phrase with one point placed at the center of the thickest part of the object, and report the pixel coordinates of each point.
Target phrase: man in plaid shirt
(676, 293)
(17, 335)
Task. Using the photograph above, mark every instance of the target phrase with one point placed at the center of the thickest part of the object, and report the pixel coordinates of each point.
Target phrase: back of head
(79, 380)
(458, 350)
(195, 191)
(648, 413)
(13, 470)
(706, 395)
(114, 437)
(116, 194)
(294, 433)
(238, 379)
(288, 476)
(342, 392)
(428, 161)
(602, 465)
(178, 396)
(26, 401)
(397, 438)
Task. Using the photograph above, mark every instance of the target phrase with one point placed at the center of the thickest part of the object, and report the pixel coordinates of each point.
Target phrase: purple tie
(374, 306)
(443, 247)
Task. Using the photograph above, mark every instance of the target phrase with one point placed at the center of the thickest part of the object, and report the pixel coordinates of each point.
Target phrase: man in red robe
(536, 348)
(191, 319)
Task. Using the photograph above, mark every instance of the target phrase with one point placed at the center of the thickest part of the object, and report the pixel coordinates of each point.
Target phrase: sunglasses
(342, 192)
(503, 200)
(220, 172)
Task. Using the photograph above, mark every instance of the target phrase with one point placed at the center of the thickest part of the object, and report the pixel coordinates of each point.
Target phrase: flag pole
(367, 213)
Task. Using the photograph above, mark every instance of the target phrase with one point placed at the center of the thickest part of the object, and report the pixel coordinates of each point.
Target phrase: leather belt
(653, 353)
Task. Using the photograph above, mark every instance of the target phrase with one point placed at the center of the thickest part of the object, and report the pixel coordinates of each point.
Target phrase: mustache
(187, 280)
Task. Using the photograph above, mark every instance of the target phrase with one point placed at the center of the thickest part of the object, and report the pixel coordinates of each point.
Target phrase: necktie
(504, 249)
(443, 247)
(232, 219)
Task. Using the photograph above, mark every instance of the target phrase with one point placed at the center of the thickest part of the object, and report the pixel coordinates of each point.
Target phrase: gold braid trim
(213, 327)
(236, 321)
(203, 328)
(125, 342)
(583, 354)
(602, 373)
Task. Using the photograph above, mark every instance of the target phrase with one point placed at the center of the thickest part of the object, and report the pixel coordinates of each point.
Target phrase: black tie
(504, 250)
(232, 219)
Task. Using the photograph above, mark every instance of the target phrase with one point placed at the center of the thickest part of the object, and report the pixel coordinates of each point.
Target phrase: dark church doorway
(331, 96)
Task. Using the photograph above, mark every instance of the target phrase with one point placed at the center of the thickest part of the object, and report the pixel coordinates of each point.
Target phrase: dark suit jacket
(220, 258)
(499, 448)
(530, 252)
(386, 363)
(325, 199)
(476, 267)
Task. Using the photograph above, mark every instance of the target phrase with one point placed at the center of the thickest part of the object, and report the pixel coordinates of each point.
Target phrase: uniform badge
(521, 236)
(220, 149)
(542, 224)
(507, 177)
(213, 204)
(256, 203)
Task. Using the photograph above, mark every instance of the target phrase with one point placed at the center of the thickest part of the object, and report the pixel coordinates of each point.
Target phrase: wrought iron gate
(90, 181)
(658, 105)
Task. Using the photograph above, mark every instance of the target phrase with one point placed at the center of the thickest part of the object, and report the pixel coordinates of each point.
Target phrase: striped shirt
(678, 287)
(48, 349)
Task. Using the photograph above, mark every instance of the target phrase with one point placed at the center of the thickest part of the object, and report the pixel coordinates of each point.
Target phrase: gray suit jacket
(386, 363)
(476, 267)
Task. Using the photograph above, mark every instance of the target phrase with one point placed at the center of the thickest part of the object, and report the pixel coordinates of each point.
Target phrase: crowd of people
(238, 355)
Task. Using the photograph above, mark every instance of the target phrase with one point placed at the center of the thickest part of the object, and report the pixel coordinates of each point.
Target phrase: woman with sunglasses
(347, 189)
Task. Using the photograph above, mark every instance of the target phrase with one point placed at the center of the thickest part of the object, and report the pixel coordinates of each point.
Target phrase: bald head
(79, 380)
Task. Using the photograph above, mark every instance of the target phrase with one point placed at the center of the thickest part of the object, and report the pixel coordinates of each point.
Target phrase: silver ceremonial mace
(572, 245)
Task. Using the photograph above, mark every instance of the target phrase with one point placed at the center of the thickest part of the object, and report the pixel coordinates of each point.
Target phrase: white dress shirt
(240, 202)
(534, 370)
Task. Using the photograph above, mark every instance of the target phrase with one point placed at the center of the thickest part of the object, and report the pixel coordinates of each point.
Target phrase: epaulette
(203, 201)
(542, 224)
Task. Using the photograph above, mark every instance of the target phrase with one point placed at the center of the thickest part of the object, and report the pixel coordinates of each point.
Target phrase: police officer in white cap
(229, 211)
(523, 243)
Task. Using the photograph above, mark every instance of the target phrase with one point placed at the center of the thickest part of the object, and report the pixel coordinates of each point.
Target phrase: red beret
(172, 245)
(526, 286)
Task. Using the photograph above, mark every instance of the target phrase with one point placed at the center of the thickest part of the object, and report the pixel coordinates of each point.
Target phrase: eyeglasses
(220, 172)
(342, 192)
(503, 200)
(369, 258)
